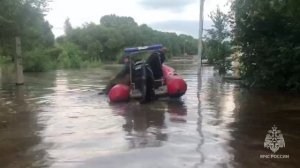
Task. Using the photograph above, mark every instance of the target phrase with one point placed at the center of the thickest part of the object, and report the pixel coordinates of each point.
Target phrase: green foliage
(106, 41)
(70, 56)
(116, 21)
(68, 27)
(4, 60)
(85, 46)
(268, 32)
(25, 19)
(37, 60)
(217, 45)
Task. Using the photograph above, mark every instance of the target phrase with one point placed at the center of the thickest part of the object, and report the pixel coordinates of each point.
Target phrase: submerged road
(58, 120)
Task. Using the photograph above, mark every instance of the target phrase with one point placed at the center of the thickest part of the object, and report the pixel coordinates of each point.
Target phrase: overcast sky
(180, 16)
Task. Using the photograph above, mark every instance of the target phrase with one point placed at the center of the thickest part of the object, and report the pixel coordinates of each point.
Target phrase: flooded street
(58, 120)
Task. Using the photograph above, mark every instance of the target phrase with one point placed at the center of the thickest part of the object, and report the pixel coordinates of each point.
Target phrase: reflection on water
(18, 130)
(144, 128)
(58, 120)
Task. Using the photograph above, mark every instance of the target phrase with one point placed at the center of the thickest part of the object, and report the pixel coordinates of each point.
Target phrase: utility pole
(200, 117)
(184, 48)
(200, 46)
(19, 63)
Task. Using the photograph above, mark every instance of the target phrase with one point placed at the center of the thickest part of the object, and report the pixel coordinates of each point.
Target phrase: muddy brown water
(58, 120)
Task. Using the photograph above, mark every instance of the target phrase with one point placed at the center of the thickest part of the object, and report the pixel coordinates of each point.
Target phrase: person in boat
(122, 77)
(155, 61)
(138, 76)
(153, 72)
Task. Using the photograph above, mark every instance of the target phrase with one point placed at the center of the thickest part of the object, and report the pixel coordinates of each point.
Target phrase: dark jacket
(155, 61)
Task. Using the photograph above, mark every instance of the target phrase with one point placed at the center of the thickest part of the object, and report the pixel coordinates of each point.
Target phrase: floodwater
(58, 120)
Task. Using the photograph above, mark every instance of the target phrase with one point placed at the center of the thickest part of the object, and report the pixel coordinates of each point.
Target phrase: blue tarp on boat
(135, 50)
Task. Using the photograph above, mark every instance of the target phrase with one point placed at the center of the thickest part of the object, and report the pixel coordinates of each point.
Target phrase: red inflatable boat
(172, 85)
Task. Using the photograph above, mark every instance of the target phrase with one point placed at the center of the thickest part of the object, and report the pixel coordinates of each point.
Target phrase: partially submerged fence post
(19, 63)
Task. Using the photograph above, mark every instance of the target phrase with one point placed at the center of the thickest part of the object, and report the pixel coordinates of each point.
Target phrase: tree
(24, 18)
(67, 27)
(268, 32)
(108, 39)
(217, 41)
(117, 21)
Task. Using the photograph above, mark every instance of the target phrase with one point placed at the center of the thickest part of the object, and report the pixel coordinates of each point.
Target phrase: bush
(70, 56)
(218, 46)
(268, 34)
(5, 60)
(37, 60)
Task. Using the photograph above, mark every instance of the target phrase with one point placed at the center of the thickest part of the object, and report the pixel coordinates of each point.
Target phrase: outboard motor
(143, 80)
